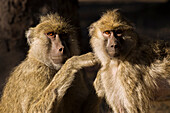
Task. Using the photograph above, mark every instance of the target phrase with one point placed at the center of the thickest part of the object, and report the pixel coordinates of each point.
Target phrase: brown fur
(128, 82)
(38, 85)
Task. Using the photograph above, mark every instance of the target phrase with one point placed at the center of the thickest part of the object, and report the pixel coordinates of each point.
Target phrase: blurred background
(150, 17)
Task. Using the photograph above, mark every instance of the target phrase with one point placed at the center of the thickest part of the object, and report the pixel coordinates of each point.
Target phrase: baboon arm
(98, 85)
(55, 91)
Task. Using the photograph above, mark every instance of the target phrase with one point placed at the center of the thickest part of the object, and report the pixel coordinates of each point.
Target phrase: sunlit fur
(38, 85)
(128, 82)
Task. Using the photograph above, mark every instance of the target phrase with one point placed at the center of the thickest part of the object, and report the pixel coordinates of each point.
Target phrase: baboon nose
(116, 46)
(61, 49)
(111, 46)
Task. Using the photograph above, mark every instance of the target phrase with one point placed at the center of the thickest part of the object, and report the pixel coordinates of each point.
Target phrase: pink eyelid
(107, 33)
(49, 35)
(119, 34)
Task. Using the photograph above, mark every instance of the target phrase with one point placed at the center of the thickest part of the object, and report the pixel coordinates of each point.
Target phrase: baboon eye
(118, 33)
(50, 33)
(107, 32)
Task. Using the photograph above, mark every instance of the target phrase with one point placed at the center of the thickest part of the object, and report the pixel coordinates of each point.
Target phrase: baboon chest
(112, 82)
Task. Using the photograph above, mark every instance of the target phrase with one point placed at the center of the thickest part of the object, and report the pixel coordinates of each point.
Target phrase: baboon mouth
(114, 53)
(57, 60)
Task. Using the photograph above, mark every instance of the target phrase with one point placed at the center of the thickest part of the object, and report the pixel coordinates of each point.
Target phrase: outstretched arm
(98, 85)
(55, 91)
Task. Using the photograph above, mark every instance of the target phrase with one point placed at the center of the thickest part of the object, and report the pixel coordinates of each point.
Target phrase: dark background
(150, 17)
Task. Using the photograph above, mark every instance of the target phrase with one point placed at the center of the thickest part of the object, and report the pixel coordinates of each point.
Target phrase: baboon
(131, 66)
(38, 85)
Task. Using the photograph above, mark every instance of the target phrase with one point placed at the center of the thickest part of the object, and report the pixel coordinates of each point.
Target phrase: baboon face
(58, 48)
(113, 41)
(116, 32)
(50, 40)
(118, 42)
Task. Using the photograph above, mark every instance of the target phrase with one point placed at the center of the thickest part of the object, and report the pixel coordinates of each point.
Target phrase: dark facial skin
(58, 47)
(113, 42)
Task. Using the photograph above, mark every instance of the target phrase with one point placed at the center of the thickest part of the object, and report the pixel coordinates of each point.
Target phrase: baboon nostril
(61, 49)
(111, 46)
(116, 46)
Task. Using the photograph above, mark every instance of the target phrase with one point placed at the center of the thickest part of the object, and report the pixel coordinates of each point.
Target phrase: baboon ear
(29, 35)
(92, 29)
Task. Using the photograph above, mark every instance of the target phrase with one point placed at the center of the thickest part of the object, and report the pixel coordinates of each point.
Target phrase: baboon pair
(46, 82)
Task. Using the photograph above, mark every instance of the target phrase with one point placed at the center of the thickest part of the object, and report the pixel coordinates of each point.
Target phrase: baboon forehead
(112, 20)
(112, 25)
(55, 23)
(55, 26)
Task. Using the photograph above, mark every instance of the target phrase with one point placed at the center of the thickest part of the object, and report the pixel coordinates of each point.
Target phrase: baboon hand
(86, 60)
